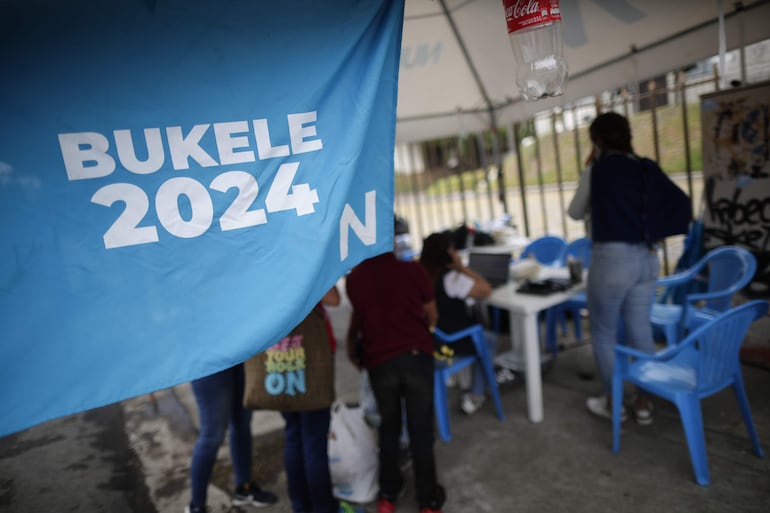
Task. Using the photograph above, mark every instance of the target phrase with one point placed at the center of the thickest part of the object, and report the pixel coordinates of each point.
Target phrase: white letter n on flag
(367, 231)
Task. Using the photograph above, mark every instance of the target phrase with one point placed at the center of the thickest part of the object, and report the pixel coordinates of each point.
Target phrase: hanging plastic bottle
(534, 30)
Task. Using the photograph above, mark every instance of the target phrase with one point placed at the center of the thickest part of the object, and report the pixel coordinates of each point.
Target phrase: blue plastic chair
(729, 269)
(443, 369)
(547, 250)
(692, 252)
(704, 363)
(579, 249)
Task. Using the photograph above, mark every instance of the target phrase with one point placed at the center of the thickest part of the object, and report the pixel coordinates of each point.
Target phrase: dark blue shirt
(634, 201)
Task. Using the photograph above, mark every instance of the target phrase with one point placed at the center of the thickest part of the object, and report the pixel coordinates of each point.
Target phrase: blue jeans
(307, 461)
(621, 285)
(408, 376)
(220, 405)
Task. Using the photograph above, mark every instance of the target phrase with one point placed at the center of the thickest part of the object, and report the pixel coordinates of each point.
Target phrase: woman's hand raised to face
(456, 263)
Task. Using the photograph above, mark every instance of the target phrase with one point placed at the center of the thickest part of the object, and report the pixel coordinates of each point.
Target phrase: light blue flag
(180, 182)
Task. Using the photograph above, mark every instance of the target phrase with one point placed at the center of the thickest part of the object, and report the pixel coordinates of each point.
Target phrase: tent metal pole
(421, 224)
(430, 199)
(467, 57)
(539, 169)
(742, 44)
(653, 97)
(722, 40)
(576, 133)
(485, 167)
(686, 131)
(487, 101)
(461, 167)
(473, 148)
(522, 185)
(559, 179)
(460, 174)
(652, 94)
(440, 150)
(498, 156)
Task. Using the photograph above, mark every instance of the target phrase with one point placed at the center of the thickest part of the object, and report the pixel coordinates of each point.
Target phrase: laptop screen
(493, 267)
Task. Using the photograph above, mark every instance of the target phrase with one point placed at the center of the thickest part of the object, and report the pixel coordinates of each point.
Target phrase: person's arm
(431, 314)
(581, 201)
(422, 282)
(331, 298)
(481, 288)
(352, 341)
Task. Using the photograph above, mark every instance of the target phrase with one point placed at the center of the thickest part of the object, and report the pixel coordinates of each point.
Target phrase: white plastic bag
(353, 461)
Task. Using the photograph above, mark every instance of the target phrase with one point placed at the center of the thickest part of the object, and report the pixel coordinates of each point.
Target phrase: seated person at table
(454, 284)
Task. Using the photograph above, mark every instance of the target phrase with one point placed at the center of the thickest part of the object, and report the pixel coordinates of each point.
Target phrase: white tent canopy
(457, 69)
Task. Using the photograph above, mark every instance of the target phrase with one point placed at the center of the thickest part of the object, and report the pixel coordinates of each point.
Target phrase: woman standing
(634, 205)
(220, 406)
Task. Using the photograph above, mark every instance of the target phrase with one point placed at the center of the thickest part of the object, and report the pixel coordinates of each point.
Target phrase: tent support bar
(484, 94)
(466, 55)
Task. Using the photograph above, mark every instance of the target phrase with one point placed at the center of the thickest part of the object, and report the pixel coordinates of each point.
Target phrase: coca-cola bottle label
(522, 14)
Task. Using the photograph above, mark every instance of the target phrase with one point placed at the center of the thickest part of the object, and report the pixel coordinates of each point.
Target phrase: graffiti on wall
(736, 170)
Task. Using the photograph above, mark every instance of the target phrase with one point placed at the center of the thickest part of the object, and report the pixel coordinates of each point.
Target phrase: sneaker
(385, 506)
(643, 415)
(250, 494)
(504, 375)
(470, 403)
(388, 504)
(195, 509)
(600, 406)
(347, 508)
(436, 503)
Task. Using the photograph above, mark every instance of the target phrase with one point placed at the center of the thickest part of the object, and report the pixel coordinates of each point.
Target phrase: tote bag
(295, 374)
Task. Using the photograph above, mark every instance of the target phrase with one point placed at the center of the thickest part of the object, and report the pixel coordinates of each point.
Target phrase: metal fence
(525, 174)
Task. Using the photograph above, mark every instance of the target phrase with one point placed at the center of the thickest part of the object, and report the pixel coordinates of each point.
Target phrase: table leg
(531, 343)
(525, 356)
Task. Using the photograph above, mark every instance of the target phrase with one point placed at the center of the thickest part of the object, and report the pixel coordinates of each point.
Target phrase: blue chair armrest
(448, 338)
(624, 350)
(676, 279)
(660, 356)
(703, 296)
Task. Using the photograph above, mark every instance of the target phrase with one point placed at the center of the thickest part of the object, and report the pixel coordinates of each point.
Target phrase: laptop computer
(493, 267)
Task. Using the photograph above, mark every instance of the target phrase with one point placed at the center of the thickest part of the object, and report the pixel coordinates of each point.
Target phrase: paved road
(134, 456)
(81, 463)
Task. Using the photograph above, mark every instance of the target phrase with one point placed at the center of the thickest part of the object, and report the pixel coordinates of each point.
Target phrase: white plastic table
(523, 310)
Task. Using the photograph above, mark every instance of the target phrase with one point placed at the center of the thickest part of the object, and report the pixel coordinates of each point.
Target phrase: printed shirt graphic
(180, 183)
